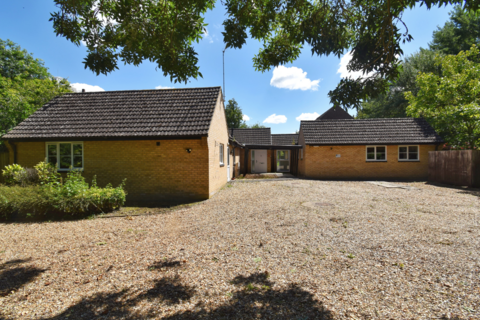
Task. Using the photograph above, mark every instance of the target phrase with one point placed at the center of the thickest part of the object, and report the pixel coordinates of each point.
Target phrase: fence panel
(4, 159)
(455, 167)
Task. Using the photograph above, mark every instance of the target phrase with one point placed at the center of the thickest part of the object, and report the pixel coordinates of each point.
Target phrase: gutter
(115, 138)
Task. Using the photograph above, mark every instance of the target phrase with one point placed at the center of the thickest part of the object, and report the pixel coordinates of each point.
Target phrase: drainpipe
(234, 165)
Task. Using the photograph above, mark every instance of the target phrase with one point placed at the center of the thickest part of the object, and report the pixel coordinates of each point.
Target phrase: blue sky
(275, 98)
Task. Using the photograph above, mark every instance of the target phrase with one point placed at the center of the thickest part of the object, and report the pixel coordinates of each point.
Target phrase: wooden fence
(4, 159)
(455, 167)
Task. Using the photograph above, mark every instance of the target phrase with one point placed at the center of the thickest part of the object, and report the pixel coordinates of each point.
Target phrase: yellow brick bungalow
(169, 144)
(348, 148)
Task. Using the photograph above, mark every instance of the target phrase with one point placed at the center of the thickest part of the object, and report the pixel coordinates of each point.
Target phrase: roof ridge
(142, 90)
(249, 128)
(367, 119)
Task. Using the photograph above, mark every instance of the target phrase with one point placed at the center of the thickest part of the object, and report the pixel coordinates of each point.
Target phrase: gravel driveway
(297, 249)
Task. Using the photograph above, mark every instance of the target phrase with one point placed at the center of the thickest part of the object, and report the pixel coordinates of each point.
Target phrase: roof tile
(261, 136)
(369, 131)
(284, 139)
(110, 114)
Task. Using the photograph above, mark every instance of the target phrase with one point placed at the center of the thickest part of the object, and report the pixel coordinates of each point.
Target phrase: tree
(257, 126)
(164, 32)
(393, 103)
(25, 85)
(451, 102)
(15, 62)
(459, 33)
(234, 115)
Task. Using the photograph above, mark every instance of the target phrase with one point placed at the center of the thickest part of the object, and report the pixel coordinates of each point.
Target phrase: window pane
(381, 153)
(77, 162)
(65, 149)
(77, 149)
(52, 150)
(65, 162)
(371, 153)
(402, 156)
(402, 149)
(52, 160)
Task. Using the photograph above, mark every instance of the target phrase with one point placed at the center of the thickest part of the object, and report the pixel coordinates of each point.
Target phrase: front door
(228, 163)
(259, 161)
(283, 161)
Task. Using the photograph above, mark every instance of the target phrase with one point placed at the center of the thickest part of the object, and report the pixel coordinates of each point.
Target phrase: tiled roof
(122, 114)
(260, 136)
(369, 131)
(284, 139)
(335, 113)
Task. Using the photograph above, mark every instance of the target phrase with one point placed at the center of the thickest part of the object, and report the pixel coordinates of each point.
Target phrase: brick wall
(301, 161)
(235, 164)
(321, 162)
(28, 153)
(155, 174)
(165, 173)
(217, 134)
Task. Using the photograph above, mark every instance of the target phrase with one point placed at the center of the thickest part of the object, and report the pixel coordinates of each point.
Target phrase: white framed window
(221, 154)
(376, 153)
(408, 153)
(65, 155)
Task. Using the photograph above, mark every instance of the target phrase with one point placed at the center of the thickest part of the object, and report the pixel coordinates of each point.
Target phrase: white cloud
(246, 118)
(275, 119)
(162, 87)
(292, 78)
(207, 36)
(307, 116)
(344, 73)
(77, 87)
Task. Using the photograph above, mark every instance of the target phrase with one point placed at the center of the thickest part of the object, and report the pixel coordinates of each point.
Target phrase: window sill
(222, 165)
(376, 161)
(408, 160)
(68, 170)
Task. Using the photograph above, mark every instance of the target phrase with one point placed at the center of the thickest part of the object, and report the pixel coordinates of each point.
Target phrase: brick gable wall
(217, 174)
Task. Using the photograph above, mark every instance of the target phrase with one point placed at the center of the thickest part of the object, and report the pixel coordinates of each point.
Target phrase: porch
(269, 159)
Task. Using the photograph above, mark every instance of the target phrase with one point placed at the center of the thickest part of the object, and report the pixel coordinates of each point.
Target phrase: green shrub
(10, 172)
(54, 199)
(47, 173)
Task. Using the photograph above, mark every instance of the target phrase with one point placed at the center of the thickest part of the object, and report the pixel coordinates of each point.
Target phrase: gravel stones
(254, 251)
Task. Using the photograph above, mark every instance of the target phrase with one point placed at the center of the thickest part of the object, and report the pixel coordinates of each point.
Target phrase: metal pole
(224, 75)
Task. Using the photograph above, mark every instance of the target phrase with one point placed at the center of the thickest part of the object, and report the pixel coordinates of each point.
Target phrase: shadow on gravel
(122, 304)
(168, 264)
(253, 298)
(13, 276)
